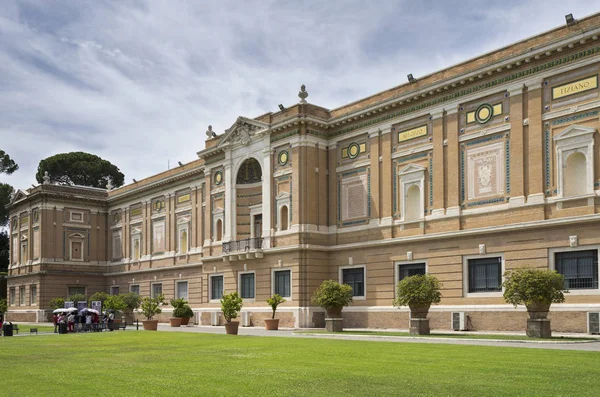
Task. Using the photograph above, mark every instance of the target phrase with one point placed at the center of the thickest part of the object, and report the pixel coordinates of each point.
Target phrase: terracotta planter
(271, 324)
(232, 327)
(185, 320)
(334, 312)
(419, 310)
(175, 321)
(150, 325)
(538, 310)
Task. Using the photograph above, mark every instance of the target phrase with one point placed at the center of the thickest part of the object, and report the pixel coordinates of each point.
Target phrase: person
(55, 322)
(88, 322)
(104, 320)
(71, 322)
(1, 321)
(95, 322)
(111, 320)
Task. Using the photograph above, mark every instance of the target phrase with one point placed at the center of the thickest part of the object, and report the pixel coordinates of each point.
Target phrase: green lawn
(171, 363)
(457, 336)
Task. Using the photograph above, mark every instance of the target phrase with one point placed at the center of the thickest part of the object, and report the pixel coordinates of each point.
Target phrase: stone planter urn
(419, 323)
(333, 320)
(271, 324)
(232, 327)
(150, 325)
(175, 321)
(538, 324)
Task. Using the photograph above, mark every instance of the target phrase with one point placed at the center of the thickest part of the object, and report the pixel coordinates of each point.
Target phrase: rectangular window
(114, 290)
(410, 270)
(356, 279)
(216, 287)
(283, 285)
(182, 290)
(76, 216)
(580, 268)
(12, 297)
(485, 275)
(135, 289)
(22, 296)
(33, 295)
(247, 285)
(76, 291)
(156, 290)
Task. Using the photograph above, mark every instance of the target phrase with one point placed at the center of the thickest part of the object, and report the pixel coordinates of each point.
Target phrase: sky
(138, 82)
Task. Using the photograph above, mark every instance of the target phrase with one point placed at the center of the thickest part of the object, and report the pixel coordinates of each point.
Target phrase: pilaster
(535, 138)
(386, 173)
(517, 159)
(438, 163)
(267, 200)
(375, 174)
(207, 211)
(453, 166)
(228, 227)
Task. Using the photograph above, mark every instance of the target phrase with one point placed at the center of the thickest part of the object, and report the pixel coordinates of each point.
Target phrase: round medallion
(218, 177)
(283, 157)
(353, 150)
(484, 113)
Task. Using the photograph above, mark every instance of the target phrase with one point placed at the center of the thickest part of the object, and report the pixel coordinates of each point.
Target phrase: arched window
(575, 175)
(283, 218)
(249, 172)
(413, 205)
(183, 241)
(219, 233)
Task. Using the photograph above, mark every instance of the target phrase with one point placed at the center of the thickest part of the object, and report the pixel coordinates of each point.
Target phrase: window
(181, 290)
(135, 289)
(216, 287)
(580, 268)
(22, 296)
(247, 285)
(114, 290)
(355, 277)
(76, 216)
(283, 218)
(282, 283)
(410, 270)
(12, 297)
(219, 233)
(156, 290)
(33, 295)
(76, 291)
(485, 274)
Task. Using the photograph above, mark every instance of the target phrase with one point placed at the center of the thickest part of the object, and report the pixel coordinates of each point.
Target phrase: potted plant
(177, 304)
(231, 304)
(272, 324)
(150, 308)
(418, 293)
(333, 297)
(132, 301)
(537, 289)
(185, 312)
(116, 304)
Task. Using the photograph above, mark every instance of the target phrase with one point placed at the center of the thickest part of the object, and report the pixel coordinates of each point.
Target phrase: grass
(171, 363)
(442, 335)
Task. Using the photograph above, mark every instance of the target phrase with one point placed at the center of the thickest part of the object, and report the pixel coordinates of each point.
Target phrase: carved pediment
(76, 236)
(242, 131)
(411, 169)
(17, 195)
(574, 131)
(282, 196)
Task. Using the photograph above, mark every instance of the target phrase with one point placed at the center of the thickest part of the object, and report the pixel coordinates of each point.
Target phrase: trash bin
(7, 329)
(62, 328)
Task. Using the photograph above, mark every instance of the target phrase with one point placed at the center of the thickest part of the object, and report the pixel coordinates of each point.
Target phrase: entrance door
(257, 225)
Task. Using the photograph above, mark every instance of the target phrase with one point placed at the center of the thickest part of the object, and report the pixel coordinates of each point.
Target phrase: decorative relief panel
(117, 249)
(158, 236)
(283, 157)
(36, 243)
(354, 197)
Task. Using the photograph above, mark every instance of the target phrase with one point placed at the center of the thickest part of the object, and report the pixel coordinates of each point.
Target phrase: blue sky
(138, 82)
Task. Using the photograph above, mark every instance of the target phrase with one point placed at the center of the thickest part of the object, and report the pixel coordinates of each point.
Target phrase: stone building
(482, 167)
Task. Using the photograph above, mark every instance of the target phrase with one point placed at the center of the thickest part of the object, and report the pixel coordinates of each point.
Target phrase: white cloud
(138, 82)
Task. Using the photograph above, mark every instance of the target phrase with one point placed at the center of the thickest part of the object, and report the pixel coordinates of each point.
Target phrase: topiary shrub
(76, 298)
(151, 306)
(57, 303)
(418, 290)
(98, 296)
(231, 304)
(527, 286)
(332, 295)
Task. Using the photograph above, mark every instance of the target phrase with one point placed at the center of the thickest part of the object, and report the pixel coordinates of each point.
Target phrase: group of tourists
(83, 321)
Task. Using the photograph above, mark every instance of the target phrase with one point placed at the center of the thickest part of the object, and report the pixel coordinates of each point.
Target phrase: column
(517, 151)
(453, 164)
(535, 161)
(439, 181)
(267, 211)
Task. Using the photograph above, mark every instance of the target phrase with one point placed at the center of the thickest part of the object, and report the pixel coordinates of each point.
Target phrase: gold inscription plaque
(575, 87)
(183, 198)
(411, 134)
(136, 212)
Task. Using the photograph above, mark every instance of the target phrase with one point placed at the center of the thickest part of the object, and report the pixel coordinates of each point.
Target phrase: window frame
(33, 294)
(552, 266)
(397, 264)
(465, 276)
(22, 295)
(352, 267)
(187, 291)
(152, 294)
(240, 275)
(134, 285)
(210, 287)
(282, 269)
(12, 296)
(112, 288)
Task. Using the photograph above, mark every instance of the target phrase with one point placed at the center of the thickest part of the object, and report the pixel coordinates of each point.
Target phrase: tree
(79, 168)
(7, 165)
(3, 306)
(5, 192)
(4, 251)
(115, 302)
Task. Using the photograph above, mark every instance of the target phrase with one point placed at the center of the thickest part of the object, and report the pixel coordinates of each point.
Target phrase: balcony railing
(244, 245)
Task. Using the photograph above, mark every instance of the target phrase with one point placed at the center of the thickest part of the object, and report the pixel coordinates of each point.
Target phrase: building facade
(466, 173)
